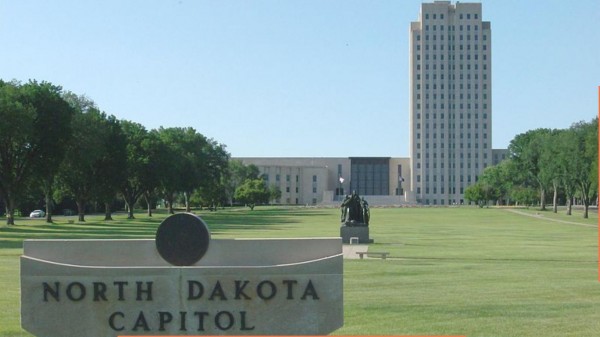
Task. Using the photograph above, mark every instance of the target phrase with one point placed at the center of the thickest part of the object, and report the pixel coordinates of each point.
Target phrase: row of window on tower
(452, 57)
(461, 106)
(452, 76)
(453, 155)
(450, 165)
(453, 136)
(452, 37)
(450, 67)
(450, 86)
(452, 125)
(453, 96)
(452, 115)
(452, 28)
(452, 145)
(461, 16)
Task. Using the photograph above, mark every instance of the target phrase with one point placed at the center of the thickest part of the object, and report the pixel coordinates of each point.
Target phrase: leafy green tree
(567, 161)
(53, 133)
(524, 195)
(474, 193)
(34, 129)
(550, 164)
(155, 167)
(526, 153)
(216, 168)
(252, 192)
(195, 162)
(180, 173)
(585, 169)
(108, 169)
(138, 164)
(237, 173)
(84, 154)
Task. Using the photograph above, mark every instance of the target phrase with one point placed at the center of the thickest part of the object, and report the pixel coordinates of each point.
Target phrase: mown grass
(452, 271)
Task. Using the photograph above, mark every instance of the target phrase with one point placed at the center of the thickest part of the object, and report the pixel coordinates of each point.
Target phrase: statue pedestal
(360, 232)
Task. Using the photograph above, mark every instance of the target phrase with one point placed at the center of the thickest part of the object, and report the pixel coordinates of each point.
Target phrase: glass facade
(370, 176)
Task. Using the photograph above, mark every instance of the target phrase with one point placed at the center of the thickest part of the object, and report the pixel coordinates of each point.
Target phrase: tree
(524, 195)
(137, 165)
(585, 170)
(252, 192)
(567, 161)
(549, 162)
(236, 175)
(34, 129)
(156, 165)
(84, 153)
(179, 174)
(195, 162)
(53, 131)
(479, 193)
(108, 169)
(526, 153)
(216, 169)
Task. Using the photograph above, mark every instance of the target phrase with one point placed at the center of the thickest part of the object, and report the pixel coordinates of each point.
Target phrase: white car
(38, 213)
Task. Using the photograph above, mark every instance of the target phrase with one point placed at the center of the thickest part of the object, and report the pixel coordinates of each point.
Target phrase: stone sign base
(360, 232)
(110, 288)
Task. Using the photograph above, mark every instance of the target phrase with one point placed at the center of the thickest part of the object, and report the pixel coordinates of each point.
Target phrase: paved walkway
(541, 216)
(350, 250)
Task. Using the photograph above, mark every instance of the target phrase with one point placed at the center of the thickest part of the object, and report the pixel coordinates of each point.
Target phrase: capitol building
(450, 114)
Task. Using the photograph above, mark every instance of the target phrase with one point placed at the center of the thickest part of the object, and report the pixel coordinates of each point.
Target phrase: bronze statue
(355, 211)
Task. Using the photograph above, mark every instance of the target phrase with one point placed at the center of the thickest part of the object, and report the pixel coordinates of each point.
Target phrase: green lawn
(451, 271)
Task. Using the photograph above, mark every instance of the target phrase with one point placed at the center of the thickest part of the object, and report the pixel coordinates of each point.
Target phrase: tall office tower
(450, 101)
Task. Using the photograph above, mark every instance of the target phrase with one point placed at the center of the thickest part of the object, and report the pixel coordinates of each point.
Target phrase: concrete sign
(109, 288)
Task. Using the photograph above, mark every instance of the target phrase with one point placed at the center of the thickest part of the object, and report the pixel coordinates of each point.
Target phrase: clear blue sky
(294, 78)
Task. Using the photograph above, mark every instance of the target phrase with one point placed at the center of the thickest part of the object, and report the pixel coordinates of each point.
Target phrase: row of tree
(58, 145)
(541, 163)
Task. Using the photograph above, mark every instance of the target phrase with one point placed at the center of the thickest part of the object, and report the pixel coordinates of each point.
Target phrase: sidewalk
(350, 250)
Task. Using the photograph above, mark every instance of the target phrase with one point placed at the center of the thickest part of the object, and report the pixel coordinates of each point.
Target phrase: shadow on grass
(145, 227)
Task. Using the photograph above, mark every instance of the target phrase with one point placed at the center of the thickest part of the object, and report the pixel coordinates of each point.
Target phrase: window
(314, 178)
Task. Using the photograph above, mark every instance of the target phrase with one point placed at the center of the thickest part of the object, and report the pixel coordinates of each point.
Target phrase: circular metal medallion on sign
(182, 239)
